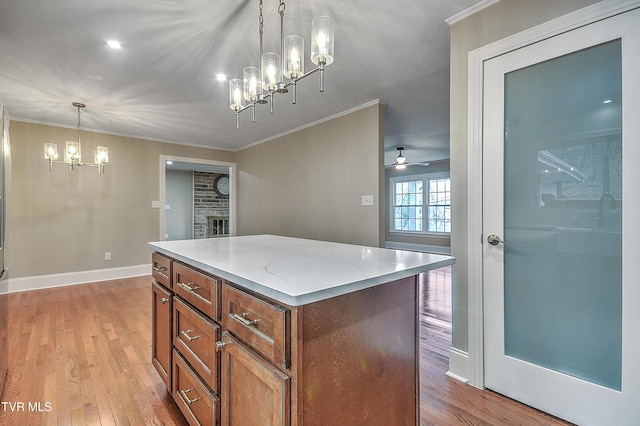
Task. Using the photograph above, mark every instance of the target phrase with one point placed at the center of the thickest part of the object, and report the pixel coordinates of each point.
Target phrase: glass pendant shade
(235, 94)
(72, 152)
(322, 30)
(102, 155)
(252, 83)
(50, 151)
(293, 56)
(270, 71)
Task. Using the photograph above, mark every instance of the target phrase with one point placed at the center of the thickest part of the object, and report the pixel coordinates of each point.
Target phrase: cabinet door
(254, 392)
(161, 307)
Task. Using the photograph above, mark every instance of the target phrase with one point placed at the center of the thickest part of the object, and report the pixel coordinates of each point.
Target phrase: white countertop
(296, 271)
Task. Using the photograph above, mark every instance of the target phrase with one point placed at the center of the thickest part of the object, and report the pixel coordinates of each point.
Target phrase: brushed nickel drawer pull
(185, 333)
(189, 286)
(164, 300)
(186, 398)
(161, 270)
(242, 318)
(220, 345)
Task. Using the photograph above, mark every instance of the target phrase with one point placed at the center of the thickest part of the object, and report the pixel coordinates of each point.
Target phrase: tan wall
(310, 183)
(494, 23)
(65, 223)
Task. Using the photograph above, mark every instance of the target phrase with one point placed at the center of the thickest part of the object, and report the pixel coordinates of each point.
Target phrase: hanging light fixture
(259, 85)
(73, 151)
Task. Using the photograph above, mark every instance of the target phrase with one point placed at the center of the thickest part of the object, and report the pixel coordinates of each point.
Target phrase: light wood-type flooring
(80, 355)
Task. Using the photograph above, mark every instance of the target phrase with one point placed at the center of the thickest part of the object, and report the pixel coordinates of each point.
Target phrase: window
(408, 206)
(414, 196)
(439, 209)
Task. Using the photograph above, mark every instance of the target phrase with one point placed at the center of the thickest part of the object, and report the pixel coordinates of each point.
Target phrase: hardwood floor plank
(86, 349)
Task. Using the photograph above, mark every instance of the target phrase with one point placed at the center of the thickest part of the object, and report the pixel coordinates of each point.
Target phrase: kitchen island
(276, 330)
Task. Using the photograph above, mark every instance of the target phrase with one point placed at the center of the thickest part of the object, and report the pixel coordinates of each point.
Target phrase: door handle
(494, 240)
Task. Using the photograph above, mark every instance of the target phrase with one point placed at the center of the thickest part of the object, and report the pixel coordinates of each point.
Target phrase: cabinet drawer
(202, 291)
(197, 403)
(161, 269)
(195, 337)
(262, 325)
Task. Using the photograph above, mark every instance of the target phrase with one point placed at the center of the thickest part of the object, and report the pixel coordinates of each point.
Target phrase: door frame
(195, 161)
(476, 61)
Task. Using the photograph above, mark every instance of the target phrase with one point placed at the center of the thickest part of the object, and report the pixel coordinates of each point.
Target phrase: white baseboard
(39, 282)
(418, 247)
(458, 365)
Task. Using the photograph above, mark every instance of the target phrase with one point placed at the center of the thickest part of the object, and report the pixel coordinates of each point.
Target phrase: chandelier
(73, 151)
(259, 85)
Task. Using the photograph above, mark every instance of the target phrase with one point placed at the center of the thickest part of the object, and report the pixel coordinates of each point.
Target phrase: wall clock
(221, 185)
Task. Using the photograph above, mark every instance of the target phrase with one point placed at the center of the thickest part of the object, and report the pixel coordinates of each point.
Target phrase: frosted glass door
(563, 214)
(560, 165)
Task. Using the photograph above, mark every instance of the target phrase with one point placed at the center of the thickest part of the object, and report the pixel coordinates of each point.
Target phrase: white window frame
(425, 177)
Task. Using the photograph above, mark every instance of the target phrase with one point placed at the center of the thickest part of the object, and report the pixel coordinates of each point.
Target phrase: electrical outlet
(367, 200)
(107, 255)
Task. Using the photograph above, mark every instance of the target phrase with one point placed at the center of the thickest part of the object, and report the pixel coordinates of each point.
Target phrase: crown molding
(470, 11)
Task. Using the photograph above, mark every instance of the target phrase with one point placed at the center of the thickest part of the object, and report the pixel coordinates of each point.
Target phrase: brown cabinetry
(241, 358)
(198, 404)
(262, 325)
(254, 392)
(161, 309)
(195, 337)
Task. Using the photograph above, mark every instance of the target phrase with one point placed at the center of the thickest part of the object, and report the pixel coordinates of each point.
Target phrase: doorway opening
(197, 198)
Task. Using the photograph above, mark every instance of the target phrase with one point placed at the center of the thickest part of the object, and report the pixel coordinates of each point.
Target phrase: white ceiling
(161, 85)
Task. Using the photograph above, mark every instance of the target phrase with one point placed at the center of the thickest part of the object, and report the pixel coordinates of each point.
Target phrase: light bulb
(294, 57)
(295, 60)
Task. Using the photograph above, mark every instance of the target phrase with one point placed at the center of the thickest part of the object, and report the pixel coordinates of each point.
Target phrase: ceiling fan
(401, 161)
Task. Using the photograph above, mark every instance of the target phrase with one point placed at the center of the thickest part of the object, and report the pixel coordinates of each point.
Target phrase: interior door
(561, 143)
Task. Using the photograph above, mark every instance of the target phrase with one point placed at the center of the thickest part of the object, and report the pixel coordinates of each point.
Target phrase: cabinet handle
(186, 398)
(220, 345)
(189, 287)
(185, 334)
(242, 318)
(164, 300)
(161, 270)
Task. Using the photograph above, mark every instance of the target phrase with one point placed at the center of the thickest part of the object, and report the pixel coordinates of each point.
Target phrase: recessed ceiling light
(113, 44)
(221, 77)
(608, 101)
